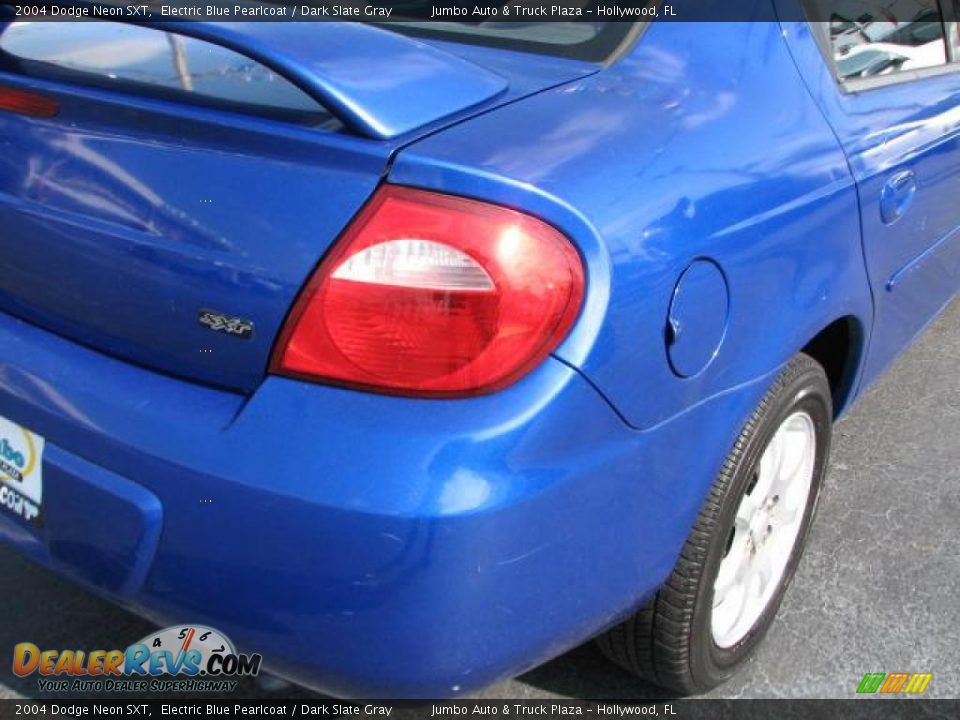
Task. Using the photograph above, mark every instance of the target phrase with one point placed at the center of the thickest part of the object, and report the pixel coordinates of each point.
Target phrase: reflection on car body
(411, 356)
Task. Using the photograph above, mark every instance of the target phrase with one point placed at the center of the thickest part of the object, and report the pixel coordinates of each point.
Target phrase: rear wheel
(740, 556)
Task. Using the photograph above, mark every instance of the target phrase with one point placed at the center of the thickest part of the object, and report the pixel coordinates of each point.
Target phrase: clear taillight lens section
(434, 295)
(421, 264)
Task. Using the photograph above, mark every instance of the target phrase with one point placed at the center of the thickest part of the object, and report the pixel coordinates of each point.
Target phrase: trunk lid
(178, 235)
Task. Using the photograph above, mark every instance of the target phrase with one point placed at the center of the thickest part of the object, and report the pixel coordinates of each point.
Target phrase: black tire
(670, 641)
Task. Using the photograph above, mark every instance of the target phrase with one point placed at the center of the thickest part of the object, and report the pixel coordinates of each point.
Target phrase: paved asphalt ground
(878, 589)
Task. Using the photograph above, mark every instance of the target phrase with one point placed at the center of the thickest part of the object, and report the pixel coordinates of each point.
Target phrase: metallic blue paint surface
(625, 151)
(341, 66)
(375, 545)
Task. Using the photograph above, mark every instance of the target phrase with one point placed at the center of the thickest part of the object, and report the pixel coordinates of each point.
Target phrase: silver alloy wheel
(765, 530)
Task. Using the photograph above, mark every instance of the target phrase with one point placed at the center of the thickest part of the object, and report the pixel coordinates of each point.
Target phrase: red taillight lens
(26, 103)
(430, 294)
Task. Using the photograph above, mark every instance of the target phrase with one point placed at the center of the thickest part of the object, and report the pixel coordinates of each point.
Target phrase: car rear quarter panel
(701, 142)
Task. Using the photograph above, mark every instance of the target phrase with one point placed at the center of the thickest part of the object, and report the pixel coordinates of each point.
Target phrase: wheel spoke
(788, 514)
(746, 512)
(742, 604)
(769, 468)
(721, 590)
(795, 449)
(732, 568)
(761, 573)
(728, 614)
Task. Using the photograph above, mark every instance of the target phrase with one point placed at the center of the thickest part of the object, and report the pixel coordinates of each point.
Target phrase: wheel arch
(839, 347)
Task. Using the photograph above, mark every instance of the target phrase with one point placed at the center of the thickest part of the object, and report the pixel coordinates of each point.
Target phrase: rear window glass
(155, 62)
(592, 41)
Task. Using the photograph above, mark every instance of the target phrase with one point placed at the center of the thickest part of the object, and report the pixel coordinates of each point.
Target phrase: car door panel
(902, 142)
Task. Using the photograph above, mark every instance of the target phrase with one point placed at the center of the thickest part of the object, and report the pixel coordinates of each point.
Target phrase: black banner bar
(872, 709)
(386, 11)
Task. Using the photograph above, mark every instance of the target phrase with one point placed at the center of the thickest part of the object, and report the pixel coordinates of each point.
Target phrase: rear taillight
(434, 295)
(27, 103)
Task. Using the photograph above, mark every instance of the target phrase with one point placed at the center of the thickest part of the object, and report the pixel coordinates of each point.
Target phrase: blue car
(413, 355)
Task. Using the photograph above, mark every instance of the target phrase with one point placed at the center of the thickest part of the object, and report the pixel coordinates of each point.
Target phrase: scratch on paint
(518, 558)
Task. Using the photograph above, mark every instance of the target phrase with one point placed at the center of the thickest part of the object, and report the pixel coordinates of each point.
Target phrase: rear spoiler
(379, 83)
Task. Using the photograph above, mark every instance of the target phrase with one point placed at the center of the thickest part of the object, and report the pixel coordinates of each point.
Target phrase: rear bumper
(365, 545)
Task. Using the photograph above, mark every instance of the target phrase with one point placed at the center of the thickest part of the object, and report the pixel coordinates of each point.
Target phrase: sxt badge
(218, 322)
